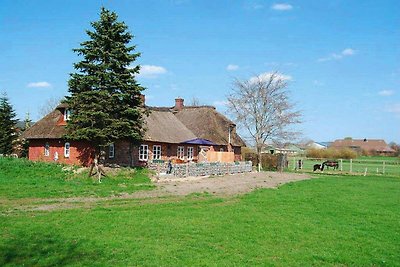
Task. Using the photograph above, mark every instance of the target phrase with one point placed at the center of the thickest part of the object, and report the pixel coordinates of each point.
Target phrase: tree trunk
(94, 162)
(95, 165)
(259, 159)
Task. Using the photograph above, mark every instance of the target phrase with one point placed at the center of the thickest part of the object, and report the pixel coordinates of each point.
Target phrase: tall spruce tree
(7, 126)
(105, 97)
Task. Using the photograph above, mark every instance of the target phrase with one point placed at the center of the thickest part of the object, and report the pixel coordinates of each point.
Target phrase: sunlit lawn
(337, 221)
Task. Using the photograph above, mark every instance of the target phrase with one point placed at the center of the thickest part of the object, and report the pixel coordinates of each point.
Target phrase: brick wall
(80, 152)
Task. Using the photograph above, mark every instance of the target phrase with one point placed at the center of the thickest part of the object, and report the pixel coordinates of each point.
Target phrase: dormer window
(67, 114)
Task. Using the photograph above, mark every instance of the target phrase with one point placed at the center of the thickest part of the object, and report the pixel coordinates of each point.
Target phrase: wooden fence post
(351, 165)
(383, 168)
(341, 165)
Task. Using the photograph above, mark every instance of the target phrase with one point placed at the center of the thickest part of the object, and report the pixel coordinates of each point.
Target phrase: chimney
(178, 104)
(143, 99)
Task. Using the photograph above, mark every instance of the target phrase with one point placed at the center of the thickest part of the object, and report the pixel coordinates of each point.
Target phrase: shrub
(269, 162)
(332, 153)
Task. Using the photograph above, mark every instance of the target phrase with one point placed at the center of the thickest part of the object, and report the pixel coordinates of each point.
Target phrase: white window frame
(111, 151)
(157, 152)
(46, 149)
(67, 114)
(143, 152)
(180, 152)
(190, 153)
(67, 149)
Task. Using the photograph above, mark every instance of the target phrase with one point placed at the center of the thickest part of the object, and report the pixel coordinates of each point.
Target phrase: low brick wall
(201, 169)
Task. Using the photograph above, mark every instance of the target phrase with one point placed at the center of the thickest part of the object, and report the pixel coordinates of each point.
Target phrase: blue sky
(342, 57)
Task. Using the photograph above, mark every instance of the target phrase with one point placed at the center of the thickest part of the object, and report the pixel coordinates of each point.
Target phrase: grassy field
(21, 178)
(330, 221)
(373, 165)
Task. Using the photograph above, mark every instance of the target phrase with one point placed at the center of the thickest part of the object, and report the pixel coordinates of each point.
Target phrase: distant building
(317, 145)
(372, 146)
(290, 149)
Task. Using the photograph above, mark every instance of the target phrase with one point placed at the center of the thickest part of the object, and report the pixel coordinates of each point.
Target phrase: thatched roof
(378, 145)
(163, 125)
(46, 128)
(205, 122)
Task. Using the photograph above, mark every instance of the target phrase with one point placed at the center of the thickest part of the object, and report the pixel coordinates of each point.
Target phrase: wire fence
(357, 166)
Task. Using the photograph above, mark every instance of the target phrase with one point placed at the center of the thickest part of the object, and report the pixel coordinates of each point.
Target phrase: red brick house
(178, 133)
(369, 146)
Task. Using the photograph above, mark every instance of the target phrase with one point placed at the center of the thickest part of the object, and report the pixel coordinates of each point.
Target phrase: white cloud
(257, 6)
(151, 71)
(38, 84)
(336, 56)
(318, 83)
(386, 92)
(267, 75)
(348, 52)
(220, 103)
(282, 7)
(394, 108)
(232, 67)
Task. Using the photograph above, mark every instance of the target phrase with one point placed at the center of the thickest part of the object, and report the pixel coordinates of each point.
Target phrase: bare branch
(261, 105)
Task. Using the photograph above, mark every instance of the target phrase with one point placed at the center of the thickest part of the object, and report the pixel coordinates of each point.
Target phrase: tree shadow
(44, 249)
(85, 155)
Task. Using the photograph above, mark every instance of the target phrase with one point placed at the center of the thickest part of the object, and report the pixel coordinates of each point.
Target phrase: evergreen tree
(24, 144)
(105, 97)
(7, 126)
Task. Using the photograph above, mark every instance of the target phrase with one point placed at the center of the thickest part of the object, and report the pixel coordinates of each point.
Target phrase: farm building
(179, 133)
(317, 145)
(371, 146)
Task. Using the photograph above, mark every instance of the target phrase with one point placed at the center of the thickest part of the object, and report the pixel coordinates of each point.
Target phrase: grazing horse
(331, 163)
(319, 167)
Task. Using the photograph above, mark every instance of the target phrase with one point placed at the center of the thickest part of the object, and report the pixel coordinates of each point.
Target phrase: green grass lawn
(21, 178)
(332, 220)
(373, 165)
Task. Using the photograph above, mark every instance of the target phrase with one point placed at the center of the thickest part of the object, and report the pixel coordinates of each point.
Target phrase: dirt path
(228, 185)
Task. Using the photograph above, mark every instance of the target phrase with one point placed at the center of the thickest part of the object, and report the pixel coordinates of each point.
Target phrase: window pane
(66, 150)
(156, 152)
(143, 152)
(47, 149)
(111, 151)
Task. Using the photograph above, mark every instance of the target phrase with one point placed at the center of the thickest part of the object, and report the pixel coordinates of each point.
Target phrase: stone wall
(200, 169)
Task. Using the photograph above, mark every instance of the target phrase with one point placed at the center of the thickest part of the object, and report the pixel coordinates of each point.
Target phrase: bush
(249, 154)
(269, 162)
(331, 153)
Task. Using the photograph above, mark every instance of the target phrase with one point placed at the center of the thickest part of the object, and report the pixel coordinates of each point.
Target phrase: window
(111, 151)
(46, 149)
(144, 152)
(66, 150)
(156, 152)
(181, 152)
(67, 114)
(190, 153)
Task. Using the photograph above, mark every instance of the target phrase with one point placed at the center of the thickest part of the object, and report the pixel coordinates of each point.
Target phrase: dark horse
(319, 167)
(331, 163)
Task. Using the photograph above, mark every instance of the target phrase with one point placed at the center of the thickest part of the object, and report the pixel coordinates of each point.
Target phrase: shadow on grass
(46, 250)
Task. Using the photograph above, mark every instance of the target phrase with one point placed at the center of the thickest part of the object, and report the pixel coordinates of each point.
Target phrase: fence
(358, 166)
(201, 169)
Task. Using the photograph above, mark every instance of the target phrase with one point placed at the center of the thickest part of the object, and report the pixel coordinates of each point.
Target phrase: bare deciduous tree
(49, 105)
(195, 102)
(261, 105)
